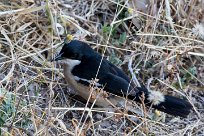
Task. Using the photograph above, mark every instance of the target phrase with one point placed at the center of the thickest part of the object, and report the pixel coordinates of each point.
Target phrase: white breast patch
(85, 91)
(70, 63)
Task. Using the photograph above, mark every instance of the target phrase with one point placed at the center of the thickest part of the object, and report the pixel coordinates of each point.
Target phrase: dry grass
(161, 45)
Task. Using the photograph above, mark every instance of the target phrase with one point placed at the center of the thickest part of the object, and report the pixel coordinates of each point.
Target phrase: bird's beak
(58, 57)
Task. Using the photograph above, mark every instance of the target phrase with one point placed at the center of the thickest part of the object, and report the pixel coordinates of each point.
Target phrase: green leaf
(114, 59)
(106, 29)
(122, 38)
(192, 70)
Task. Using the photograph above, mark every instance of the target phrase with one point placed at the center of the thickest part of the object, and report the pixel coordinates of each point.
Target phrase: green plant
(7, 106)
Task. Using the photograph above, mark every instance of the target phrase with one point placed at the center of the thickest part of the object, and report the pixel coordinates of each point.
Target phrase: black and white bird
(82, 64)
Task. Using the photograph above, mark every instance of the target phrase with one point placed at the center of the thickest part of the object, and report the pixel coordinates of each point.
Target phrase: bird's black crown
(75, 50)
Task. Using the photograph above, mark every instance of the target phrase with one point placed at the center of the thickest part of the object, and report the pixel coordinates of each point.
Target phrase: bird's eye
(75, 55)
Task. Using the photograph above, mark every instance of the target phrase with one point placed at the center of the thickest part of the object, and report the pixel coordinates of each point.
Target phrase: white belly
(99, 97)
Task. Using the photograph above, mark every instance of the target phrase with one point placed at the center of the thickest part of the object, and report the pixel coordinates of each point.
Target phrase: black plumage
(113, 79)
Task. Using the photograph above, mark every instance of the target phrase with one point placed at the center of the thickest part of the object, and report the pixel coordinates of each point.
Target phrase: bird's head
(74, 50)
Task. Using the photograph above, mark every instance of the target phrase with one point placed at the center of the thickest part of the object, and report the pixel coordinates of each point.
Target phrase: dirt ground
(160, 43)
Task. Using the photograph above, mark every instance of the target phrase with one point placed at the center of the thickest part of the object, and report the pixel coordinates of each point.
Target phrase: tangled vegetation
(158, 43)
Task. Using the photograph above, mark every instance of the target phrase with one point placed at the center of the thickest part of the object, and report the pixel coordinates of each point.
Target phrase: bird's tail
(165, 103)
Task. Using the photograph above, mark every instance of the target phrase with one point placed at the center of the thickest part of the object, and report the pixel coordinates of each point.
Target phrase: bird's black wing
(116, 71)
(111, 77)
